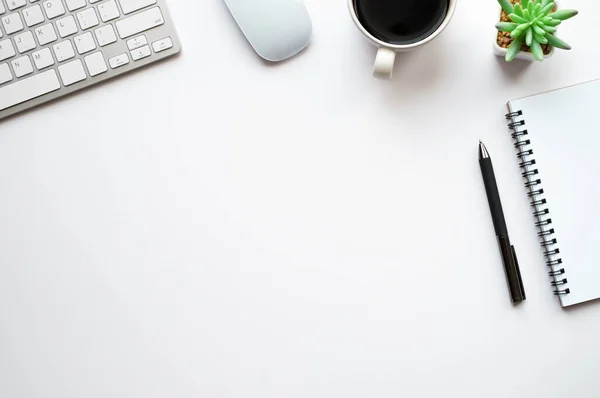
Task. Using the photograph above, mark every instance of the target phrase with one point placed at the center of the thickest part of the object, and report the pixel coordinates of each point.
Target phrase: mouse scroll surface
(276, 29)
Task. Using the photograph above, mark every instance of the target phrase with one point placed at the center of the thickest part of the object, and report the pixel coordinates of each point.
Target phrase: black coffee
(401, 21)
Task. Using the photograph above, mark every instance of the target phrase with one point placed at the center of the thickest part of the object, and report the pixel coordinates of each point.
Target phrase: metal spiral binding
(540, 212)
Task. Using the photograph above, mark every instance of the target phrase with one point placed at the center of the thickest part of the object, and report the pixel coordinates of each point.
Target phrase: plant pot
(522, 55)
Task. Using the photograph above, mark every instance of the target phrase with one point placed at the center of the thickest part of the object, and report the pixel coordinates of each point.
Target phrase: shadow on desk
(579, 308)
(513, 71)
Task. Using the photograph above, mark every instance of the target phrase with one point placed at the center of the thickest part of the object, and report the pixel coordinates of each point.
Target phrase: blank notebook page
(564, 129)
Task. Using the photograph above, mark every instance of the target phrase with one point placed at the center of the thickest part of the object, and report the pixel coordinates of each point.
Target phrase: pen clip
(518, 271)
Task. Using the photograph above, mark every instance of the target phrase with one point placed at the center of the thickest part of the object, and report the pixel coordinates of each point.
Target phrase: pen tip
(483, 152)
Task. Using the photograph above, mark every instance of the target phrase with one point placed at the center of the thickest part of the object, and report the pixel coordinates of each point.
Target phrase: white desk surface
(217, 227)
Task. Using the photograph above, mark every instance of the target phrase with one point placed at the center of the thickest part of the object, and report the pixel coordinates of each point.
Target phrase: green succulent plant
(534, 23)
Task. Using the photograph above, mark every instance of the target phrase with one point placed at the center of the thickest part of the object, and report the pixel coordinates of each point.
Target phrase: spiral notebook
(557, 138)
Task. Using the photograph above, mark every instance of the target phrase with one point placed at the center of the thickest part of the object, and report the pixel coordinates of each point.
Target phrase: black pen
(509, 256)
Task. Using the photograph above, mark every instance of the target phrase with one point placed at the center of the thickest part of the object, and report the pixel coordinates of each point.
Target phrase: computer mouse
(276, 29)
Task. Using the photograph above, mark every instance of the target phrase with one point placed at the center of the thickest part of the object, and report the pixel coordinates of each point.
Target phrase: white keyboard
(50, 48)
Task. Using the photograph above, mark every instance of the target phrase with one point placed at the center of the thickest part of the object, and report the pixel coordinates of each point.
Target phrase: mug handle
(384, 63)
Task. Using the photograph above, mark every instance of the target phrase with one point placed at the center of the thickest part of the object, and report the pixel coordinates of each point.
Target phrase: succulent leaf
(529, 36)
(506, 26)
(514, 49)
(506, 6)
(519, 31)
(536, 50)
(539, 38)
(554, 22)
(546, 9)
(549, 29)
(518, 19)
(556, 42)
(518, 10)
(522, 28)
(564, 14)
(538, 30)
(530, 7)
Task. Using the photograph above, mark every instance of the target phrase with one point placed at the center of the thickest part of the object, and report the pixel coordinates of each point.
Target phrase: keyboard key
(14, 4)
(33, 15)
(12, 23)
(63, 51)
(5, 75)
(129, 6)
(108, 11)
(6, 50)
(137, 42)
(43, 58)
(54, 8)
(105, 35)
(118, 61)
(66, 26)
(73, 5)
(72, 72)
(85, 43)
(95, 64)
(25, 42)
(46, 34)
(140, 22)
(87, 18)
(2, 9)
(22, 66)
(140, 53)
(162, 44)
(27, 89)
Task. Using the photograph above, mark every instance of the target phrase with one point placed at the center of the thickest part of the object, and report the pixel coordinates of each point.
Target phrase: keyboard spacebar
(27, 89)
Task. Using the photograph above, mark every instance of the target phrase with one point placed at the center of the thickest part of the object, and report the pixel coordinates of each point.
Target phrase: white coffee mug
(386, 54)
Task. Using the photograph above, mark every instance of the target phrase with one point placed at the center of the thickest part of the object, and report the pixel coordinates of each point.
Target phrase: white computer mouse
(276, 29)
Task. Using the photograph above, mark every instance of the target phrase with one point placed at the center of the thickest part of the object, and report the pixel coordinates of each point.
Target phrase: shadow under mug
(386, 54)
